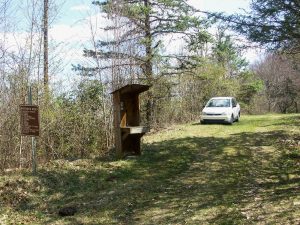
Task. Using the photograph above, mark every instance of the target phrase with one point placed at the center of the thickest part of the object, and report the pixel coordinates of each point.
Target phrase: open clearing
(247, 173)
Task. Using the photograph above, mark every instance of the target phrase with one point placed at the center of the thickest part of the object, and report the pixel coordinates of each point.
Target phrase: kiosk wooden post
(128, 131)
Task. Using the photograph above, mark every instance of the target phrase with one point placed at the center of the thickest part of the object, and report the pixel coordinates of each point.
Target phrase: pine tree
(146, 23)
(228, 54)
(274, 24)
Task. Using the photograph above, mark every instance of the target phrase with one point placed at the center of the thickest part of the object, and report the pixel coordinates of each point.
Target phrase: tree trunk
(46, 64)
(148, 64)
(46, 75)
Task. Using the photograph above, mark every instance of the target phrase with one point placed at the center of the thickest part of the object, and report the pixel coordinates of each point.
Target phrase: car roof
(222, 98)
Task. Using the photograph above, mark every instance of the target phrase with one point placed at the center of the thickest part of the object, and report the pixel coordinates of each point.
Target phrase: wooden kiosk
(128, 131)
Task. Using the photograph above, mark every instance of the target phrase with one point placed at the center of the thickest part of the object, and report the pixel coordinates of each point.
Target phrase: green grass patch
(247, 173)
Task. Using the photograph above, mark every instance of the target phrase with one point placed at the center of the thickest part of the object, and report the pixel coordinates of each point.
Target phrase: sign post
(30, 125)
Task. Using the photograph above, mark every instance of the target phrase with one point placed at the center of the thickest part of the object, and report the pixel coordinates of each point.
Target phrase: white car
(221, 109)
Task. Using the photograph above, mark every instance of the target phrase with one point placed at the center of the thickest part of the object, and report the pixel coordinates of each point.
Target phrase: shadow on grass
(193, 180)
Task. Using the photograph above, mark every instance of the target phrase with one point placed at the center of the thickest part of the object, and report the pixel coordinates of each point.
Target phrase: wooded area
(77, 122)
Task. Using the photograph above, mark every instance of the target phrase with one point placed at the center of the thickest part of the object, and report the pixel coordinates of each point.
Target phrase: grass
(247, 173)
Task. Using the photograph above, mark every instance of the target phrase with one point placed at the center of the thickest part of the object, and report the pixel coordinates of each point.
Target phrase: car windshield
(219, 103)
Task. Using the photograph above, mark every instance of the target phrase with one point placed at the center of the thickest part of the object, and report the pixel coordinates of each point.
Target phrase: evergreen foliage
(274, 24)
(147, 22)
(228, 54)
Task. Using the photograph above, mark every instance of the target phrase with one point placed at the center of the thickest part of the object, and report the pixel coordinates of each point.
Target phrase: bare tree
(45, 32)
(282, 83)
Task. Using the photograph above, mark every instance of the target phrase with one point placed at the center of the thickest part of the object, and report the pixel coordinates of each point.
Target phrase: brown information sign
(30, 121)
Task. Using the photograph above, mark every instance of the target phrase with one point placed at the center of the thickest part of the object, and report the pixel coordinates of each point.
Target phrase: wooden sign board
(30, 120)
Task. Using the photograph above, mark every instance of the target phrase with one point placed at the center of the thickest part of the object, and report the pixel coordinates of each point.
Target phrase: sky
(75, 11)
(228, 6)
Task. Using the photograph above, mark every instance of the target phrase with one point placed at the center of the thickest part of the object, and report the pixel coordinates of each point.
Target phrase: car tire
(238, 117)
(231, 121)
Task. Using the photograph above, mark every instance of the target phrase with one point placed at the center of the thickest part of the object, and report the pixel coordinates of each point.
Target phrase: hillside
(247, 173)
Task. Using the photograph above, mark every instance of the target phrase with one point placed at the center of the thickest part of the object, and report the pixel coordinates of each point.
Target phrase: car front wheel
(231, 120)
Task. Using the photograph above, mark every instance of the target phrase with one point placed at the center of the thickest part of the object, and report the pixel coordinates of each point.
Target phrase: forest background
(185, 54)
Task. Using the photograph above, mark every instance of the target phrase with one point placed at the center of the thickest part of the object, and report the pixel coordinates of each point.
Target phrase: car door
(235, 109)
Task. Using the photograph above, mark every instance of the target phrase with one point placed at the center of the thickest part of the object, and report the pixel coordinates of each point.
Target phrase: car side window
(234, 103)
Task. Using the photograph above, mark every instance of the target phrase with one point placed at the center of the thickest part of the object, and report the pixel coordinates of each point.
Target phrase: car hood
(216, 110)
